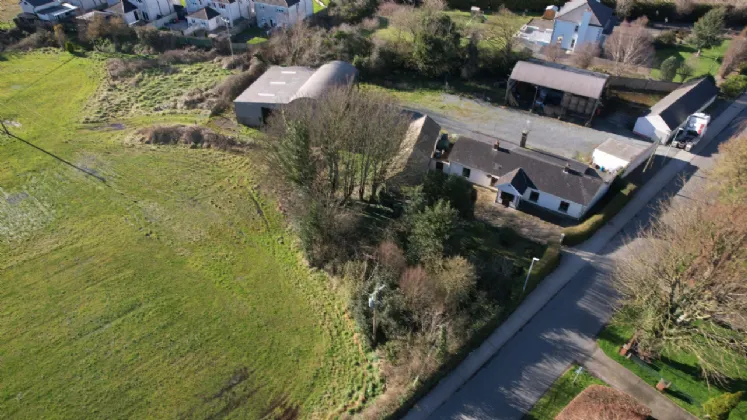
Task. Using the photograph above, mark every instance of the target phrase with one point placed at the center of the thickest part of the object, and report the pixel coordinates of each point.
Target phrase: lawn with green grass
(689, 390)
(169, 290)
(562, 392)
(708, 62)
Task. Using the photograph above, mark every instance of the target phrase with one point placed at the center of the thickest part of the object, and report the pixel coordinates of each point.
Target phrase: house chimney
(497, 145)
(523, 143)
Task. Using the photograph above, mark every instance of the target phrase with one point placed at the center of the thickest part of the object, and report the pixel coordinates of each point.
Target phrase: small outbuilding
(615, 156)
(556, 89)
(672, 112)
(280, 86)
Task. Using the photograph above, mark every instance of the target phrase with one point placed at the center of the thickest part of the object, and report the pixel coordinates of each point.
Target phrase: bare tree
(553, 52)
(735, 55)
(624, 7)
(501, 33)
(584, 55)
(630, 44)
(434, 5)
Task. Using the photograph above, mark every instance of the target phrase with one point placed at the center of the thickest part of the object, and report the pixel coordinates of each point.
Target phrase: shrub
(669, 69)
(429, 230)
(584, 56)
(718, 408)
(618, 198)
(119, 68)
(185, 56)
(666, 39)
(734, 85)
(155, 39)
(70, 47)
(39, 39)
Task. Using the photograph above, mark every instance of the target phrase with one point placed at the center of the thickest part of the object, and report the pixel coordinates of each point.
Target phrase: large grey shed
(280, 86)
(581, 89)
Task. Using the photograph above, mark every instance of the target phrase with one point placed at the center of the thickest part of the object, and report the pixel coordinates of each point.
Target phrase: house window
(440, 166)
(534, 196)
(575, 29)
(573, 43)
(465, 172)
(280, 10)
(564, 206)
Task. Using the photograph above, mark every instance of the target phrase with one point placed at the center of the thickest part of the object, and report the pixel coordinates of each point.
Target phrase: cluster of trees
(425, 42)
(684, 286)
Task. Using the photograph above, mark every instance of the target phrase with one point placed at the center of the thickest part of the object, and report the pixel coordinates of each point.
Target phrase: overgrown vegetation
(563, 390)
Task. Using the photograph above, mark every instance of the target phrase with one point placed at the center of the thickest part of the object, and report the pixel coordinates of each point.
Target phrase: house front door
(506, 199)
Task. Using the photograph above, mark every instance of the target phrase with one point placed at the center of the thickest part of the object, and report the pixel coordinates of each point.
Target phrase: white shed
(615, 155)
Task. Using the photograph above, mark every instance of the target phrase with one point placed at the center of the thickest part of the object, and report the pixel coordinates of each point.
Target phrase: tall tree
(437, 45)
(735, 55)
(623, 8)
(709, 29)
(630, 44)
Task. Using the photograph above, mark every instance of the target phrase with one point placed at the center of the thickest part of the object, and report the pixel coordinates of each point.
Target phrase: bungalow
(282, 13)
(520, 175)
(673, 111)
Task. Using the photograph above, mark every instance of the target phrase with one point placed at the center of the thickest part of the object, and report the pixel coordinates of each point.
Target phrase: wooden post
(593, 111)
(534, 100)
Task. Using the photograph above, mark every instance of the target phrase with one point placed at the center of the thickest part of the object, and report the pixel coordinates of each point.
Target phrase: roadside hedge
(620, 193)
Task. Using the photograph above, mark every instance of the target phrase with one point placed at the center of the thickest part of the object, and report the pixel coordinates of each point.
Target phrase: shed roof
(560, 77)
(541, 23)
(625, 150)
(684, 101)
(282, 85)
(564, 178)
(574, 10)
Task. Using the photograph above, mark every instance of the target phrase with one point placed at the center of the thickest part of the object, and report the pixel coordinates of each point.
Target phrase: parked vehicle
(690, 134)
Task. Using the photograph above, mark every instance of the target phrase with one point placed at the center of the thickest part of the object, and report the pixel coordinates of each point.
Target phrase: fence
(647, 85)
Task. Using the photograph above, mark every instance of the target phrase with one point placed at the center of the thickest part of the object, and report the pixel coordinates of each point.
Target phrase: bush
(155, 39)
(666, 39)
(429, 230)
(70, 47)
(734, 85)
(547, 264)
(669, 69)
(619, 197)
(718, 408)
(39, 39)
(192, 136)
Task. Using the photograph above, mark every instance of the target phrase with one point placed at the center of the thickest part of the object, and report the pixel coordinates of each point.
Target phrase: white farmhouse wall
(563, 29)
(154, 9)
(476, 176)
(208, 25)
(282, 16)
(602, 191)
(607, 161)
(131, 17)
(552, 203)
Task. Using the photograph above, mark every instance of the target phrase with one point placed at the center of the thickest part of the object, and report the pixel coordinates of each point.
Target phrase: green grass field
(708, 62)
(689, 390)
(563, 390)
(171, 290)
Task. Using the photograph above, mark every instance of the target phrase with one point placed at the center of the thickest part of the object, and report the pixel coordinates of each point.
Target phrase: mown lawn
(708, 62)
(171, 290)
(689, 390)
(562, 392)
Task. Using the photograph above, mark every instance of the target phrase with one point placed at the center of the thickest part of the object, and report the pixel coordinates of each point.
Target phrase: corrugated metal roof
(560, 77)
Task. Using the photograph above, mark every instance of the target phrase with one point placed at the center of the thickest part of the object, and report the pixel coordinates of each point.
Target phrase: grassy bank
(708, 62)
(171, 290)
(563, 390)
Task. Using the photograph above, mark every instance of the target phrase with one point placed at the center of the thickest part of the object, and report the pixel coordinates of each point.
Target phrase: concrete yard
(485, 122)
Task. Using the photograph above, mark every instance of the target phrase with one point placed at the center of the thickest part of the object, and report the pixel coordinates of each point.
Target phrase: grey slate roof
(573, 11)
(565, 178)
(206, 13)
(122, 7)
(519, 179)
(684, 101)
(37, 3)
(281, 3)
(561, 77)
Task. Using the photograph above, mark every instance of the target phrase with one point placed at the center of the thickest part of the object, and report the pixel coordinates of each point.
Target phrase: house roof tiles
(574, 10)
(206, 13)
(675, 108)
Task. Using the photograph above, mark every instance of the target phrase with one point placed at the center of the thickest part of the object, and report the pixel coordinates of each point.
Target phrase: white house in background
(621, 156)
(672, 112)
(578, 22)
(133, 11)
(282, 13)
(520, 175)
(582, 21)
(49, 10)
(86, 5)
(206, 18)
(231, 10)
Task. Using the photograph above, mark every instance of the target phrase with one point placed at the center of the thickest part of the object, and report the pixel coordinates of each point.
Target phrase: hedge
(611, 204)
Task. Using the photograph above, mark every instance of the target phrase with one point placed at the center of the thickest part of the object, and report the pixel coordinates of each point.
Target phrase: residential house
(206, 18)
(280, 86)
(522, 176)
(672, 112)
(282, 13)
(141, 11)
(49, 10)
(578, 22)
(230, 10)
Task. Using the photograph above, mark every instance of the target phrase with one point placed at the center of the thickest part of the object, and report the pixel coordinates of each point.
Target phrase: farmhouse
(282, 13)
(577, 23)
(672, 112)
(280, 86)
(520, 175)
(616, 156)
(556, 89)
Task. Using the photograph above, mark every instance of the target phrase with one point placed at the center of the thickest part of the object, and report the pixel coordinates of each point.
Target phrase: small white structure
(282, 13)
(616, 156)
(279, 86)
(134, 11)
(673, 111)
(519, 175)
(206, 18)
(49, 10)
